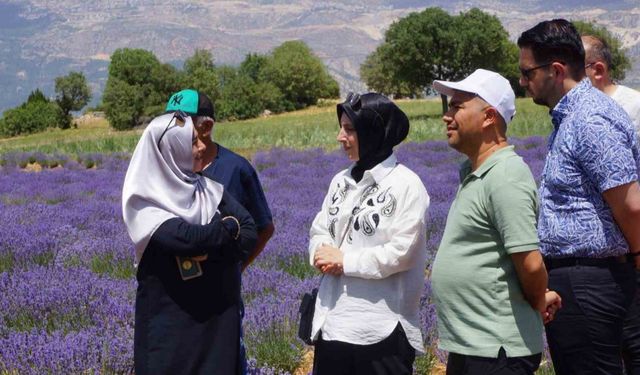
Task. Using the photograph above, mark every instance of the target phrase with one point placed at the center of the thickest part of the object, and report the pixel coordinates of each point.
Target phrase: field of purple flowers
(66, 263)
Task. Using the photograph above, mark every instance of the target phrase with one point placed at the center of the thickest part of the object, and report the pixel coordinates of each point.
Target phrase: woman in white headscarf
(189, 237)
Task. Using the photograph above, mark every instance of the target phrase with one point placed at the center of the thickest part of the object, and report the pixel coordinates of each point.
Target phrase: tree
(123, 104)
(200, 74)
(34, 115)
(37, 96)
(72, 94)
(271, 97)
(433, 44)
(298, 74)
(226, 74)
(201, 58)
(132, 65)
(253, 65)
(145, 83)
(620, 61)
(379, 77)
(240, 99)
(166, 80)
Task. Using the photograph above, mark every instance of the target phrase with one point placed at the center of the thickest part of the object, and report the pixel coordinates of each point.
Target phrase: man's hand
(553, 303)
(328, 260)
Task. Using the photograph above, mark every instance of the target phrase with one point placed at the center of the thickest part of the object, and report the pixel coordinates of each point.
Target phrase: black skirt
(192, 326)
(187, 327)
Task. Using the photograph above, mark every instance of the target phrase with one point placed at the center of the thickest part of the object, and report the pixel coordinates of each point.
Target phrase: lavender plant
(67, 279)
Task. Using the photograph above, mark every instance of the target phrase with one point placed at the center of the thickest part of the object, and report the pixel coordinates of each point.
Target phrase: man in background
(234, 172)
(240, 179)
(598, 66)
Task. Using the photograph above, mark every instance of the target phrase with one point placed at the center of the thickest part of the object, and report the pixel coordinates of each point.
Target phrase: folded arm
(221, 238)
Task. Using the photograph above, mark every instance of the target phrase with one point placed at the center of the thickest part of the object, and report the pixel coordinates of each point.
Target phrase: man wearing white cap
(489, 281)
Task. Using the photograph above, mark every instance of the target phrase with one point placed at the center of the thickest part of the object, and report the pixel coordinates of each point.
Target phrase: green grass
(424, 364)
(297, 266)
(116, 268)
(309, 128)
(25, 321)
(274, 347)
(545, 369)
(7, 261)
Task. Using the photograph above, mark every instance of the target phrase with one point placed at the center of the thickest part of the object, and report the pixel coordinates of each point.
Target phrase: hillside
(43, 39)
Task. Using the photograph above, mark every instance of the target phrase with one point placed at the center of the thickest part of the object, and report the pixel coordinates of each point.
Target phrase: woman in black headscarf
(369, 241)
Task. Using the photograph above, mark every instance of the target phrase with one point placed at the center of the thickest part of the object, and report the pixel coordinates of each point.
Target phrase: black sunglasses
(355, 103)
(180, 116)
(525, 72)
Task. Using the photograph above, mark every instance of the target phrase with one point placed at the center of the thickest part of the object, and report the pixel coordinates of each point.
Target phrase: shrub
(31, 117)
(122, 104)
(240, 99)
(299, 74)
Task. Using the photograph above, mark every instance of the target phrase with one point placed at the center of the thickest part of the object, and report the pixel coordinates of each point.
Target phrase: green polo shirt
(478, 298)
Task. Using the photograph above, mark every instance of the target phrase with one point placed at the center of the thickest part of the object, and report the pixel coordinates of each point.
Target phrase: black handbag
(307, 308)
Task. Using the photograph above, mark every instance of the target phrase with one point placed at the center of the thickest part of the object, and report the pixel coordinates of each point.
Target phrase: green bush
(137, 84)
(272, 99)
(32, 116)
(299, 74)
(123, 104)
(72, 94)
(240, 99)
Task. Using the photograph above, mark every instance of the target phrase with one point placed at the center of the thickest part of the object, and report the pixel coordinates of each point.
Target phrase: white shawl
(160, 183)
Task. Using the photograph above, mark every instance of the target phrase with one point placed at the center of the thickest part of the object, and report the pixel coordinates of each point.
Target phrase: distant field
(309, 128)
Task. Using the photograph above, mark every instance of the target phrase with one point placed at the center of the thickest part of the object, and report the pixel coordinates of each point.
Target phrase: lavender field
(67, 279)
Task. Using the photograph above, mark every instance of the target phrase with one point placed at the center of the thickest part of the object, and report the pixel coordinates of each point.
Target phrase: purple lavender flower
(66, 261)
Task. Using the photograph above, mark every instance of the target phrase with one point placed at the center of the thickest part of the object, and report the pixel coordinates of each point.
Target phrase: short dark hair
(599, 51)
(556, 40)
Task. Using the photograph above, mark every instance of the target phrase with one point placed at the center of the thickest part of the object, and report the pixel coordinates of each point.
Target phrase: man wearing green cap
(220, 164)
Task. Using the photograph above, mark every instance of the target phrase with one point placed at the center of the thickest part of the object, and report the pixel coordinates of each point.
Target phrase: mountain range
(43, 39)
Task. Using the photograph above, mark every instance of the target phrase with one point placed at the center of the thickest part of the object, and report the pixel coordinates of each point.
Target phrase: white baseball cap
(490, 86)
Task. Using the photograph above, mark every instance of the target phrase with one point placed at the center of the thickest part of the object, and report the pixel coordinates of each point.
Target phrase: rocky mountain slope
(43, 39)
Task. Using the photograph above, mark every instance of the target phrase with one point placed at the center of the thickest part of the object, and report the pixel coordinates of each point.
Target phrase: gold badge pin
(186, 265)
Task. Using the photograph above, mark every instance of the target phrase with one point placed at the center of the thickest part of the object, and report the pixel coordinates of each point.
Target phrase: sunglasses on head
(355, 102)
(181, 118)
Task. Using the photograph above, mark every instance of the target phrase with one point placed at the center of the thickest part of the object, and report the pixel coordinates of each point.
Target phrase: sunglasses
(526, 72)
(180, 117)
(355, 102)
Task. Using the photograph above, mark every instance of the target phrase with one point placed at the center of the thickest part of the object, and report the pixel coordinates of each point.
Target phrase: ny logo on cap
(176, 99)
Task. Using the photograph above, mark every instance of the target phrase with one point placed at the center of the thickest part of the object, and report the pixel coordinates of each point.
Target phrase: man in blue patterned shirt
(589, 221)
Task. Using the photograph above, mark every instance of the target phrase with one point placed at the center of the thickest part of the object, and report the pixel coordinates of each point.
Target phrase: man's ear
(205, 128)
(491, 117)
(600, 69)
(561, 70)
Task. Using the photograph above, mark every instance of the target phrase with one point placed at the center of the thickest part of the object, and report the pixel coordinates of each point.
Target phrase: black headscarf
(380, 126)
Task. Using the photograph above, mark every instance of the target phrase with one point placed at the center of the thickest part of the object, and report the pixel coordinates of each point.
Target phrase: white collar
(377, 173)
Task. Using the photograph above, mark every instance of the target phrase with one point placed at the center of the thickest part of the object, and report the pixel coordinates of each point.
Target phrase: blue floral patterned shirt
(592, 148)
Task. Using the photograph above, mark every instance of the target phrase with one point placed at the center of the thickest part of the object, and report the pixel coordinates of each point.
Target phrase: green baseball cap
(191, 102)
